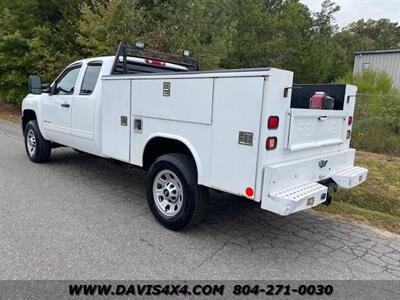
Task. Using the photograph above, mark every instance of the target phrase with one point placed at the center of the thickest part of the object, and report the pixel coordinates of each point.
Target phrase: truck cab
(67, 111)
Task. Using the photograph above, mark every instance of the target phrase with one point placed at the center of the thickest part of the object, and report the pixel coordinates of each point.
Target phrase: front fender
(31, 102)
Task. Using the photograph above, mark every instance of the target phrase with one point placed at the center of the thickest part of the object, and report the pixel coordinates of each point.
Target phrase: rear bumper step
(350, 177)
(310, 194)
(299, 197)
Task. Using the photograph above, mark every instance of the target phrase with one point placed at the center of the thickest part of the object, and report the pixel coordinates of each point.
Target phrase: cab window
(90, 79)
(66, 82)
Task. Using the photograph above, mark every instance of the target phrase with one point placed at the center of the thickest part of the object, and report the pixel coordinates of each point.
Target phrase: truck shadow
(226, 214)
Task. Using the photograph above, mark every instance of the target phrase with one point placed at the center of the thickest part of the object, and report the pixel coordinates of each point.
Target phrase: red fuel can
(321, 100)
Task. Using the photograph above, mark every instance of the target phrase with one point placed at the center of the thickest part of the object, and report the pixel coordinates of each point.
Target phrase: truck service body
(246, 132)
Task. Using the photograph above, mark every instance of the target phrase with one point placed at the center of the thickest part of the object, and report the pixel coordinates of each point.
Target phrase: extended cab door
(56, 107)
(83, 109)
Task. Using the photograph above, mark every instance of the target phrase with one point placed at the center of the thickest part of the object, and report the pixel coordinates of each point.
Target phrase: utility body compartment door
(235, 133)
(116, 120)
(185, 100)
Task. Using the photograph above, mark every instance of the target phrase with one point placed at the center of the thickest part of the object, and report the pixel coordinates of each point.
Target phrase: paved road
(81, 217)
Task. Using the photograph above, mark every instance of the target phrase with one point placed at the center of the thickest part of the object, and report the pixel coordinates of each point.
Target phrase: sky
(353, 10)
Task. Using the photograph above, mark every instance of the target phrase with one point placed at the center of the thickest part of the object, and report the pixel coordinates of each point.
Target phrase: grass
(10, 112)
(375, 202)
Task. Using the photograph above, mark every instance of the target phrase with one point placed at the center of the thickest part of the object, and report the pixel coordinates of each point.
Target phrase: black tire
(194, 200)
(42, 150)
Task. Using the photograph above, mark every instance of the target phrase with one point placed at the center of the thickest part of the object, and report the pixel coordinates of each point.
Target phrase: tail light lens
(350, 120)
(273, 122)
(271, 143)
(348, 135)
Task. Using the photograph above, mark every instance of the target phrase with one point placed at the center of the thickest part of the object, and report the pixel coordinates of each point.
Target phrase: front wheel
(37, 148)
(173, 195)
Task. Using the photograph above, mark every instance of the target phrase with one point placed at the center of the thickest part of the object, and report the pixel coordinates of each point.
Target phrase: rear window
(90, 79)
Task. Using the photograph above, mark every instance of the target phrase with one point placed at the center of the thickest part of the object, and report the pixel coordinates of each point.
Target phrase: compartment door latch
(138, 125)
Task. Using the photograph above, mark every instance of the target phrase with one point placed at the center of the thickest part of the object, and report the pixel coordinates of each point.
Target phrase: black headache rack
(124, 64)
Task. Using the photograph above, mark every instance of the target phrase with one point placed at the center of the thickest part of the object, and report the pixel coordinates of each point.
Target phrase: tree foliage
(36, 37)
(104, 23)
(42, 36)
(377, 112)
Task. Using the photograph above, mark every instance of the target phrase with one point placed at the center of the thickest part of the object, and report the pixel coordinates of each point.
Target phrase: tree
(286, 35)
(103, 24)
(365, 35)
(377, 112)
(43, 36)
(169, 25)
(324, 53)
(324, 19)
(35, 37)
(373, 34)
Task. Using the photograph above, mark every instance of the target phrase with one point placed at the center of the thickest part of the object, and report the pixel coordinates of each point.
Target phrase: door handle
(322, 118)
(65, 105)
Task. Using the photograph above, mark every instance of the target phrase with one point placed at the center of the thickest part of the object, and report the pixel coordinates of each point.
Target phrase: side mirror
(35, 85)
(46, 88)
(52, 89)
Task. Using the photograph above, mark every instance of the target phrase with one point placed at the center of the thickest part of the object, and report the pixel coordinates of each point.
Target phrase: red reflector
(271, 143)
(348, 135)
(350, 120)
(154, 62)
(249, 192)
(273, 122)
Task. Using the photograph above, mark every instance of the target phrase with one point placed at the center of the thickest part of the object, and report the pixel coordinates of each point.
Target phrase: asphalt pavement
(82, 217)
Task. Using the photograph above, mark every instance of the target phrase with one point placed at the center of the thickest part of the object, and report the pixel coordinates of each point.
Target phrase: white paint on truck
(221, 117)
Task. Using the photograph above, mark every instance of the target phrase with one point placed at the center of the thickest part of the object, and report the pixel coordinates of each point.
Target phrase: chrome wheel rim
(168, 193)
(31, 142)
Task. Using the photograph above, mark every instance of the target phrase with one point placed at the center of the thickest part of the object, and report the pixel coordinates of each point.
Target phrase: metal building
(380, 60)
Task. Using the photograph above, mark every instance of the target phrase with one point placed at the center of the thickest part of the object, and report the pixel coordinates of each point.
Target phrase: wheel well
(28, 115)
(159, 146)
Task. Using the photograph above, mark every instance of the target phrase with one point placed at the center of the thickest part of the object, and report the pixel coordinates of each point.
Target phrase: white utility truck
(247, 132)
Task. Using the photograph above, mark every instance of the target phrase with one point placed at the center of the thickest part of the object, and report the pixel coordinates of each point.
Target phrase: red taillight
(273, 122)
(271, 143)
(350, 120)
(154, 62)
(348, 135)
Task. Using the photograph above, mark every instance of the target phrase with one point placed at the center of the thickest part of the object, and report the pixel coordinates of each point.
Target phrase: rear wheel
(37, 148)
(173, 195)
